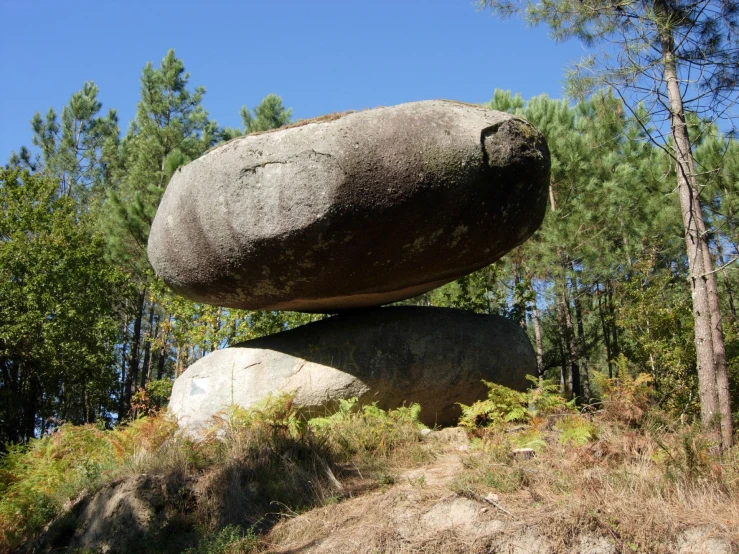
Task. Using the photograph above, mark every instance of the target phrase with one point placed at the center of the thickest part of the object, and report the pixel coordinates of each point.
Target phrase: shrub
(368, 431)
(36, 479)
(545, 398)
(501, 405)
(627, 399)
(152, 398)
(271, 456)
(504, 405)
(251, 463)
(575, 430)
(229, 540)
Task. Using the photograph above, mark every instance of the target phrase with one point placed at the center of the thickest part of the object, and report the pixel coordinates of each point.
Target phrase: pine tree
(170, 129)
(594, 232)
(655, 47)
(269, 114)
(717, 157)
(73, 149)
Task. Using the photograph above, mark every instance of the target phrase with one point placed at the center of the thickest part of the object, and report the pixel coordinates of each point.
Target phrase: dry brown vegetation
(621, 493)
(624, 478)
(146, 488)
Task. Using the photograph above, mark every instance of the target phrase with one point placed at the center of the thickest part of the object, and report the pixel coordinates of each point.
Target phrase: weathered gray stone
(395, 355)
(362, 210)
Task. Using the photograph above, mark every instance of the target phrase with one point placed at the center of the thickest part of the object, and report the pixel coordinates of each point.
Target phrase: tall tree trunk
(160, 362)
(146, 368)
(124, 373)
(538, 340)
(698, 265)
(133, 363)
(178, 362)
(214, 342)
(570, 370)
(574, 373)
(11, 407)
(564, 364)
(154, 354)
(31, 407)
(615, 351)
(560, 303)
(163, 351)
(569, 332)
(581, 344)
(604, 327)
(518, 299)
(719, 348)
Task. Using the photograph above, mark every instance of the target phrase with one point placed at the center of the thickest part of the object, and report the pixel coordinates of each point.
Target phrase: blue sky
(320, 56)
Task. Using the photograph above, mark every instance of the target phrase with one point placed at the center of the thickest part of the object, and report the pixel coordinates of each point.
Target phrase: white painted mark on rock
(199, 386)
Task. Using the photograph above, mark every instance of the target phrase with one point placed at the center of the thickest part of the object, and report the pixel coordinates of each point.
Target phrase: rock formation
(363, 210)
(349, 212)
(434, 356)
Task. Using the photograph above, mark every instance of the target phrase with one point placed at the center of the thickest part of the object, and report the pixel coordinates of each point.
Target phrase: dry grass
(251, 468)
(388, 521)
(364, 480)
(640, 488)
(637, 486)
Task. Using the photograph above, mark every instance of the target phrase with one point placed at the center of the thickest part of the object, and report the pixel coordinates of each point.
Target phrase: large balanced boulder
(359, 210)
(434, 356)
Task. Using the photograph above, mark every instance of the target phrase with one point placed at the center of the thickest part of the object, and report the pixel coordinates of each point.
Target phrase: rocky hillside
(526, 472)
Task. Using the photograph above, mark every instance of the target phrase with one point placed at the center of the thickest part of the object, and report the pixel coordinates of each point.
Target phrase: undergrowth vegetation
(252, 465)
(504, 405)
(627, 469)
(36, 480)
(622, 468)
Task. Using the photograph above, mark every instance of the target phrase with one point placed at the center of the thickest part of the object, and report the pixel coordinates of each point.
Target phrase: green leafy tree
(57, 324)
(655, 316)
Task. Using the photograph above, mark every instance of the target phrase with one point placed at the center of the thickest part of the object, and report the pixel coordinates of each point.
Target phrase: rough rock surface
(362, 210)
(136, 515)
(434, 356)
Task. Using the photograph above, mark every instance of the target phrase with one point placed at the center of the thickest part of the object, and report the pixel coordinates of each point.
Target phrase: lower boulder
(393, 356)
